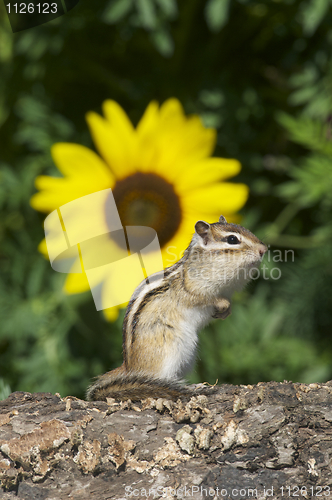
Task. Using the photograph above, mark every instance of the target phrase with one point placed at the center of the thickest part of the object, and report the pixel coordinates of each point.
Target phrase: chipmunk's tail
(122, 385)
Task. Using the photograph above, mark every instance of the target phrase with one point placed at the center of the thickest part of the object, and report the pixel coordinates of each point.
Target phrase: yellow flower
(161, 174)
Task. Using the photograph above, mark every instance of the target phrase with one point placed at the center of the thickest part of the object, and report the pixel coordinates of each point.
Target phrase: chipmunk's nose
(262, 249)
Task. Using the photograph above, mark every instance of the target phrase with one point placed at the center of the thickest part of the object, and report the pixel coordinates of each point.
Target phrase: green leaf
(116, 10)
(168, 7)
(313, 14)
(216, 14)
(163, 42)
(302, 96)
(147, 13)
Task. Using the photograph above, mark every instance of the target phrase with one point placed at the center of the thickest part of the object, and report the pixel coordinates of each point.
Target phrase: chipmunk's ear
(202, 228)
(222, 220)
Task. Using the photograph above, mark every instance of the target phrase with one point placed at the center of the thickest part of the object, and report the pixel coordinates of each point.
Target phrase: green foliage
(261, 73)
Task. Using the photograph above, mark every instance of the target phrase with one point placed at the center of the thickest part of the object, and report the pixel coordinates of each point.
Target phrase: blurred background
(261, 74)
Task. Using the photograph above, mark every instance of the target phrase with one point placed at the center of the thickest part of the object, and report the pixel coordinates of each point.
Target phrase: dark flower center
(148, 200)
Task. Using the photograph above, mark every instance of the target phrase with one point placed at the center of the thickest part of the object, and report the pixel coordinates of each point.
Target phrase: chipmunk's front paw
(221, 315)
(222, 309)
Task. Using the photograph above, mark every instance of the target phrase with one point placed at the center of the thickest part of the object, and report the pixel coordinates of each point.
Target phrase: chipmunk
(165, 314)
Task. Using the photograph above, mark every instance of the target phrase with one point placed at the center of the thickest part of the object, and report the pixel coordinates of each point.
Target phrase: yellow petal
(81, 184)
(42, 248)
(74, 160)
(111, 313)
(118, 118)
(57, 191)
(206, 172)
(76, 283)
(219, 198)
(118, 151)
(121, 280)
(148, 121)
(48, 201)
(146, 132)
(123, 129)
(106, 266)
(169, 142)
(171, 113)
(177, 147)
(184, 136)
(199, 141)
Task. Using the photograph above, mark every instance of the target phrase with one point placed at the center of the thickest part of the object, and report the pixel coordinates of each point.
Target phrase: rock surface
(269, 440)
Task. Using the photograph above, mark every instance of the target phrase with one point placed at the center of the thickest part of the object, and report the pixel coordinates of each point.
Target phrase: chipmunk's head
(233, 247)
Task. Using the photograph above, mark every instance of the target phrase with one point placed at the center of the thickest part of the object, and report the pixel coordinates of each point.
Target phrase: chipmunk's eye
(233, 240)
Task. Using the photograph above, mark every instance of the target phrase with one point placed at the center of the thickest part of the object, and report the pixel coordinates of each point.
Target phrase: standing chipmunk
(164, 316)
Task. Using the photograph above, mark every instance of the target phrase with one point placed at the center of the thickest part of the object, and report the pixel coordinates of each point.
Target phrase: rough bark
(257, 441)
